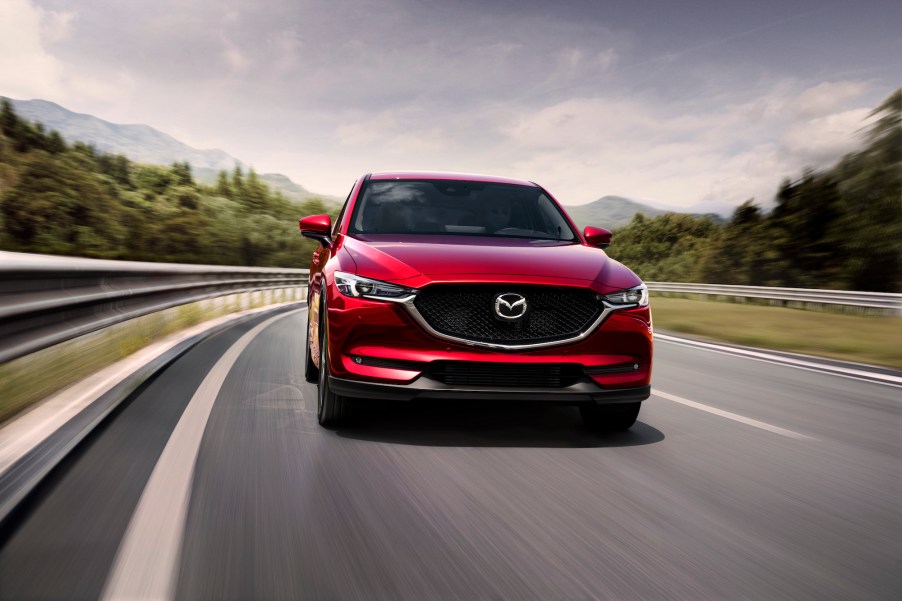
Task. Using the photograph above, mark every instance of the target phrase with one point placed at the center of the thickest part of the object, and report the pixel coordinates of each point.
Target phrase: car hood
(462, 257)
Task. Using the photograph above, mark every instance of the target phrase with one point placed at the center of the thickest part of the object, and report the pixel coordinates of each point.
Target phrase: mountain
(140, 143)
(144, 144)
(610, 212)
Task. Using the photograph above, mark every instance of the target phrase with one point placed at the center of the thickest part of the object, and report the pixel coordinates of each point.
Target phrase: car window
(458, 207)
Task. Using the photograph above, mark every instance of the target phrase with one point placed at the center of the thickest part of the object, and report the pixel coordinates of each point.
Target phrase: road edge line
(732, 416)
(763, 355)
(24, 475)
(146, 565)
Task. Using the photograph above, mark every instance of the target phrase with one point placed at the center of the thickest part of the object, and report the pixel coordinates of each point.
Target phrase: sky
(693, 105)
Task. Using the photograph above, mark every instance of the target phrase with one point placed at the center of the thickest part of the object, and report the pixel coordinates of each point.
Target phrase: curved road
(743, 479)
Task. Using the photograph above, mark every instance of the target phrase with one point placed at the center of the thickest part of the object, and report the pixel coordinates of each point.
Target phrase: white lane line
(835, 370)
(147, 561)
(23, 434)
(733, 416)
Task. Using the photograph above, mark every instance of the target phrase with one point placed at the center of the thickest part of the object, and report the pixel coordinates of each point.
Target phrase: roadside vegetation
(67, 198)
(859, 338)
(839, 229)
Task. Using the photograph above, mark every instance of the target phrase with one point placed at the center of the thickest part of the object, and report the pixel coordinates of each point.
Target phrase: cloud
(389, 135)
(27, 69)
(828, 97)
(326, 90)
(699, 153)
(823, 139)
(235, 58)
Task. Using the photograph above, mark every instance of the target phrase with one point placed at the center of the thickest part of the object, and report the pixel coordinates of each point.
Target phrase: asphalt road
(742, 480)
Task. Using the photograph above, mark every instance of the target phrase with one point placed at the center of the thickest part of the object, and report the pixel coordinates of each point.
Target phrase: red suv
(452, 286)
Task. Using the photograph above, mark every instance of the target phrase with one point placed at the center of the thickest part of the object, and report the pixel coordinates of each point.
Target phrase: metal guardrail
(45, 300)
(884, 301)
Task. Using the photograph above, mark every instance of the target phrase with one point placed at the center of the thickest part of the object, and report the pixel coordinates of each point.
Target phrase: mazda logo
(510, 306)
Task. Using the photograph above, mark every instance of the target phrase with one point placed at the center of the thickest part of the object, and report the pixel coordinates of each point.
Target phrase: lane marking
(834, 370)
(23, 434)
(147, 562)
(733, 416)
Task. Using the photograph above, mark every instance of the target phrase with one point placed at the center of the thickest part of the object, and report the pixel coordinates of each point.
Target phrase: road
(742, 479)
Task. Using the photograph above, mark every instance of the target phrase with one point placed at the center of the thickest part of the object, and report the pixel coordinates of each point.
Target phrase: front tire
(332, 409)
(311, 371)
(616, 417)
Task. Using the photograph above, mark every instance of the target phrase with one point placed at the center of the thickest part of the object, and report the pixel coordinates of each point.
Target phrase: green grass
(865, 339)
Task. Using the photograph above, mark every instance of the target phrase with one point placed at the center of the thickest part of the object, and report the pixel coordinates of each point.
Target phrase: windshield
(458, 207)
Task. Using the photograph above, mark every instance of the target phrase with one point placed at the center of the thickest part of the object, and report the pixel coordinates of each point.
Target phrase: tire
(311, 371)
(616, 417)
(332, 409)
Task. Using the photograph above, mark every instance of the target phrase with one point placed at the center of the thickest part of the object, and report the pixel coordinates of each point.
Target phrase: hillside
(278, 183)
(140, 143)
(67, 198)
(610, 212)
(144, 144)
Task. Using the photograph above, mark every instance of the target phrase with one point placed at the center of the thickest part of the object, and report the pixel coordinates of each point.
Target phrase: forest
(70, 199)
(839, 228)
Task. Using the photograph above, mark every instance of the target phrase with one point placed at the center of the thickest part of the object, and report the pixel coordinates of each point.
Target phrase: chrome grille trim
(608, 309)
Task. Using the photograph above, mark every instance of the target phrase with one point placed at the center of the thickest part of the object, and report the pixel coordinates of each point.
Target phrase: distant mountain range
(140, 143)
(144, 144)
(612, 212)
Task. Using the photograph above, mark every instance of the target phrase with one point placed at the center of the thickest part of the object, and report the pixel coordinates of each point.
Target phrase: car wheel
(332, 409)
(610, 418)
(311, 371)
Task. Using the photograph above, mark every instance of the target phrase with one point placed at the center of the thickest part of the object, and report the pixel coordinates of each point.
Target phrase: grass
(875, 340)
(34, 377)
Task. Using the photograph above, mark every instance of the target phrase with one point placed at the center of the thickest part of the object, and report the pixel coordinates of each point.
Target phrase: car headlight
(358, 287)
(631, 297)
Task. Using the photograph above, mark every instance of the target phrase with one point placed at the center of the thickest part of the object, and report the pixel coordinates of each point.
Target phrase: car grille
(467, 312)
(463, 373)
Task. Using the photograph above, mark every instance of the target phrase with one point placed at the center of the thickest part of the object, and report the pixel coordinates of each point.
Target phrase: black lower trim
(427, 388)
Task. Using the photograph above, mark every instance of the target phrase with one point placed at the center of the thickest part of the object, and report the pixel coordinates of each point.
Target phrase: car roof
(444, 175)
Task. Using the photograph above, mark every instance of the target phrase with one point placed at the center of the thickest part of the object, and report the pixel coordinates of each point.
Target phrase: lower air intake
(506, 375)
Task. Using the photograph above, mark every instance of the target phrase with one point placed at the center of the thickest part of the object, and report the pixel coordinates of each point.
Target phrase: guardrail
(45, 300)
(882, 301)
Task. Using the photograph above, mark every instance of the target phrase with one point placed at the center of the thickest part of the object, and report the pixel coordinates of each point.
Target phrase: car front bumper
(428, 388)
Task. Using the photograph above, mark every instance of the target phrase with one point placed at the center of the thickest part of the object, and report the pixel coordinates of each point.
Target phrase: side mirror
(597, 236)
(317, 227)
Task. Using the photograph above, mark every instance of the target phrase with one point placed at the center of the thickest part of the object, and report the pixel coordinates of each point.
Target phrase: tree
(741, 252)
(237, 182)
(667, 247)
(55, 143)
(58, 207)
(256, 194)
(223, 186)
(181, 174)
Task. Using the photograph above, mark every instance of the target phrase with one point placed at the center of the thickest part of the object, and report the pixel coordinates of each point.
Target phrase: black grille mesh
(463, 373)
(467, 312)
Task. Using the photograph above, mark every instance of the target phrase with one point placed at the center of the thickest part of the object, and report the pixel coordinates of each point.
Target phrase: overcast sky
(687, 103)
